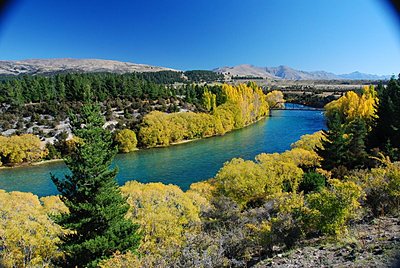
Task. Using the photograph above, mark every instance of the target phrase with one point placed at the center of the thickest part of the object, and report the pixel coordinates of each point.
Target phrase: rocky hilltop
(52, 66)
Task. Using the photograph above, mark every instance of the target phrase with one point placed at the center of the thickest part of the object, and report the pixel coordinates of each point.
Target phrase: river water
(185, 163)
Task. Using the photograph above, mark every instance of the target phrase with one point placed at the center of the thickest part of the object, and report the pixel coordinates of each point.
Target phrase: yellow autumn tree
(28, 238)
(333, 206)
(23, 148)
(53, 205)
(241, 180)
(309, 142)
(209, 100)
(283, 172)
(353, 105)
(275, 99)
(164, 213)
(126, 140)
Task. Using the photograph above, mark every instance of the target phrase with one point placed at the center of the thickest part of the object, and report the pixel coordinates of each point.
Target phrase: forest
(250, 211)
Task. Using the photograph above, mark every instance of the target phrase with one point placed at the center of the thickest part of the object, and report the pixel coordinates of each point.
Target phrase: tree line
(74, 86)
(243, 105)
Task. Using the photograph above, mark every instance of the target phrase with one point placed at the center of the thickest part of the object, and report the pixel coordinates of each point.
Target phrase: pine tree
(356, 155)
(333, 151)
(387, 124)
(96, 207)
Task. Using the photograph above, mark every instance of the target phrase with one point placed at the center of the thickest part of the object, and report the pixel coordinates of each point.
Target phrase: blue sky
(340, 36)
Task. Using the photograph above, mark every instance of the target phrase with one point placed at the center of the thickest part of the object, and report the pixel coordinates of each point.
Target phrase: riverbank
(185, 163)
(207, 137)
(44, 162)
(29, 164)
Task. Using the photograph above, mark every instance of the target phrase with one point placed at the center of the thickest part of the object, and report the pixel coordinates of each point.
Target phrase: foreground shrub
(334, 206)
(28, 238)
(164, 213)
(241, 181)
(312, 182)
(285, 227)
(382, 188)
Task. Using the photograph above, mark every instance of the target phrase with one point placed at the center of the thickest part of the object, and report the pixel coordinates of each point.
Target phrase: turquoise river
(185, 163)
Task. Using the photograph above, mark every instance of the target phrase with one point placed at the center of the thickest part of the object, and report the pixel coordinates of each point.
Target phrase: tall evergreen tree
(356, 155)
(96, 207)
(333, 151)
(387, 124)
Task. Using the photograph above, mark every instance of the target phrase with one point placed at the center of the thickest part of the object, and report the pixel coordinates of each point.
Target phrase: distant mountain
(51, 66)
(285, 72)
(362, 76)
(244, 70)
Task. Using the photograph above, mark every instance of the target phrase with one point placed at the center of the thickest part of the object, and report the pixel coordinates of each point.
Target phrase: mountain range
(53, 66)
(288, 73)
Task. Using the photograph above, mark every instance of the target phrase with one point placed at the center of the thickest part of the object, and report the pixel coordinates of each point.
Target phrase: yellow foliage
(309, 142)
(275, 99)
(127, 260)
(282, 172)
(244, 105)
(332, 207)
(302, 157)
(251, 102)
(382, 187)
(201, 193)
(209, 100)
(162, 129)
(126, 140)
(352, 105)
(23, 148)
(241, 180)
(53, 205)
(269, 176)
(164, 213)
(28, 238)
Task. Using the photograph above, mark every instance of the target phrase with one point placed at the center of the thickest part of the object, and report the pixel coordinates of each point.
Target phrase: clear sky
(339, 36)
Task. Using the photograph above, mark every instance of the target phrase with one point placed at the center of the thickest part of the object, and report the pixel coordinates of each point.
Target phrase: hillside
(52, 66)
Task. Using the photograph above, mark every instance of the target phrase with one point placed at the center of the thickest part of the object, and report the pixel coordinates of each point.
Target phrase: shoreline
(31, 164)
(44, 162)
(207, 137)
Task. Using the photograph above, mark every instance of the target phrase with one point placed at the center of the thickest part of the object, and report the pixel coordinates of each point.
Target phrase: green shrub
(333, 206)
(382, 188)
(312, 182)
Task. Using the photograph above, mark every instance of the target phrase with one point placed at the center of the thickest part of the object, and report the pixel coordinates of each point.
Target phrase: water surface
(185, 163)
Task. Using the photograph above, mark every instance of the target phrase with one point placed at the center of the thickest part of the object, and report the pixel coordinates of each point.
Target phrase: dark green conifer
(333, 151)
(96, 207)
(356, 156)
(386, 130)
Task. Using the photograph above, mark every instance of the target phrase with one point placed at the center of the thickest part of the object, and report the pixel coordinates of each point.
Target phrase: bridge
(293, 107)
